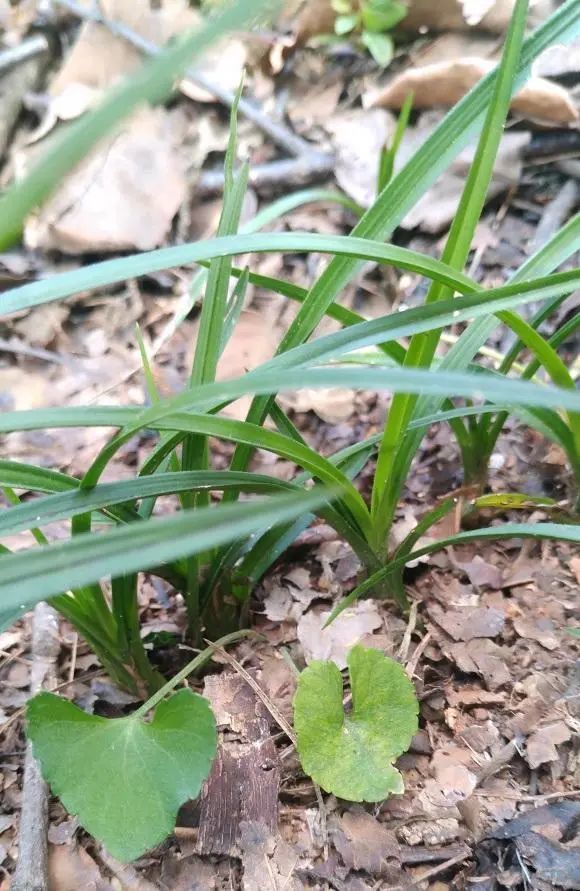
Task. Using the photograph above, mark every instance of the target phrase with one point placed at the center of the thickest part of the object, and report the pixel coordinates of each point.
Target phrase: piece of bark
(244, 782)
(31, 873)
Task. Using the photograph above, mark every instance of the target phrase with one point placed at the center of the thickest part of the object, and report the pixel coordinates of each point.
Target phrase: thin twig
(279, 133)
(296, 172)
(411, 625)
(436, 870)
(414, 660)
(28, 49)
(31, 873)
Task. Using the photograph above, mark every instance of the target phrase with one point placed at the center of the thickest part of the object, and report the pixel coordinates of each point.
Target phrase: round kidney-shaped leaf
(124, 778)
(351, 755)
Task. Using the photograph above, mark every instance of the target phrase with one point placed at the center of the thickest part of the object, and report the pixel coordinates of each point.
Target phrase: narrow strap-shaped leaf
(29, 576)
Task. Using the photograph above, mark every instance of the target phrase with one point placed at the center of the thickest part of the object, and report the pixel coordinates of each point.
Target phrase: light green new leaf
(352, 755)
(124, 778)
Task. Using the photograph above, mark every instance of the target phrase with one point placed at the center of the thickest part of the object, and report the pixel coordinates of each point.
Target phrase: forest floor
(491, 780)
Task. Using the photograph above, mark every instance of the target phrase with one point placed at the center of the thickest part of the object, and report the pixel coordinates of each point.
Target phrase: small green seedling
(370, 20)
(352, 754)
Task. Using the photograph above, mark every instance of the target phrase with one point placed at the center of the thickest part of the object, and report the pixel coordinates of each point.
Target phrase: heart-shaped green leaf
(351, 755)
(124, 778)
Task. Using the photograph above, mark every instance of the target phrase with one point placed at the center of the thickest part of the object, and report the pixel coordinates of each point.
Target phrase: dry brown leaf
(71, 868)
(482, 574)
(252, 343)
(42, 325)
(575, 568)
(453, 780)
(331, 406)
(445, 83)
(467, 623)
(364, 843)
(435, 210)
(540, 630)
(541, 745)
(98, 58)
(482, 657)
(335, 641)
(22, 389)
(124, 196)
(358, 137)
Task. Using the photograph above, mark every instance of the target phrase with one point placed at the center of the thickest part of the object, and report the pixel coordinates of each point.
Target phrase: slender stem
(200, 660)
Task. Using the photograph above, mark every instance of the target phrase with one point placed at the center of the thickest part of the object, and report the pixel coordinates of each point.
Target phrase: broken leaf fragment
(352, 755)
(125, 779)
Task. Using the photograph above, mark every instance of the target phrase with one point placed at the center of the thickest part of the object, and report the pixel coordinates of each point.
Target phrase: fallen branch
(28, 49)
(276, 176)
(31, 873)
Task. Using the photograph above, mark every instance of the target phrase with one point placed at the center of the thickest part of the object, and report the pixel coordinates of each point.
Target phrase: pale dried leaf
(445, 83)
(333, 643)
(540, 630)
(541, 745)
(575, 568)
(482, 657)
(482, 574)
(468, 623)
(71, 868)
(558, 59)
(358, 138)
(124, 196)
(331, 406)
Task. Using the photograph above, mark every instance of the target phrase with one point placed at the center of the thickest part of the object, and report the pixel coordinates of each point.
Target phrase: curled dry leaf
(445, 83)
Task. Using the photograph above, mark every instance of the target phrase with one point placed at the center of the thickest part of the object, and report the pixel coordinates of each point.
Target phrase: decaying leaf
(542, 630)
(70, 868)
(352, 755)
(445, 83)
(99, 59)
(541, 745)
(482, 574)
(364, 843)
(467, 623)
(261, 850)
(482, 657)
(358, 137)
(334, 642)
